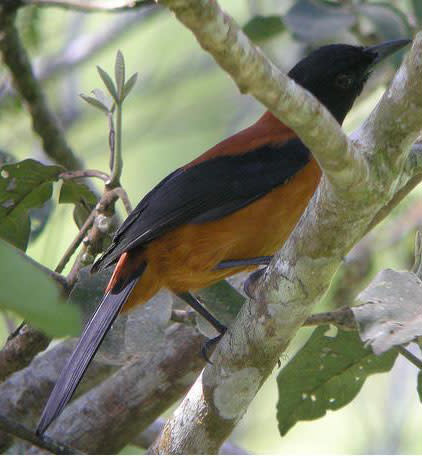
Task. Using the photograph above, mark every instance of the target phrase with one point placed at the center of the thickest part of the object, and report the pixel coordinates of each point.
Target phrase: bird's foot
(250, 283)
(210, 344)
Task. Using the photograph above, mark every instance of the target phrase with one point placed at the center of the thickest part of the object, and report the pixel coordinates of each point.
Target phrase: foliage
(38, 301)
(326, 374)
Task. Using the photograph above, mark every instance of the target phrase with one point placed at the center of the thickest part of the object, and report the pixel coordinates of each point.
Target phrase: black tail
(88, 344)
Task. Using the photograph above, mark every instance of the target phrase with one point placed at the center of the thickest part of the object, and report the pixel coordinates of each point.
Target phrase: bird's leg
(196, 305)
(256, 261)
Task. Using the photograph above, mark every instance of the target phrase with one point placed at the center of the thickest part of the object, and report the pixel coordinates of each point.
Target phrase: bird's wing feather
(207, 191)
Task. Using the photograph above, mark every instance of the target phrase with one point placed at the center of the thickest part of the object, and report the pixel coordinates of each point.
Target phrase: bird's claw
(209, 345)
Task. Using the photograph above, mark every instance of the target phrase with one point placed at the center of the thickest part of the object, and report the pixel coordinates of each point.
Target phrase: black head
(336, 74)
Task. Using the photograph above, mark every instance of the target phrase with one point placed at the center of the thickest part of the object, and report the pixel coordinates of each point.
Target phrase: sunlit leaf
(38, 301)
(129, 85)
(94, 102)
(391, 310)
(108, 82)
(119, 70)
(103, 98)
(326, 374)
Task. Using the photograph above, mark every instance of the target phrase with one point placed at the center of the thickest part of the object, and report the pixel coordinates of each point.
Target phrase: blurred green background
(183, 104)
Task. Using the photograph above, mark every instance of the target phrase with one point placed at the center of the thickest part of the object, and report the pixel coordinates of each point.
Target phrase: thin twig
(342, 318)
(410, 356)
(85, 173)
(11, 427)
(112, 6)
(121, 193)
(76, 242)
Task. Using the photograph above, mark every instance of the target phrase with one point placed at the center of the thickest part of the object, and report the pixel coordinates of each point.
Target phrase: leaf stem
(117, 161)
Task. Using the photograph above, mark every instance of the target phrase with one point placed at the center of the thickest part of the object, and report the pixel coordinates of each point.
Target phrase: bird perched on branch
(227, 211)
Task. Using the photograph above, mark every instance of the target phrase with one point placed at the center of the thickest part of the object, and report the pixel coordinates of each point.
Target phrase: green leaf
(73, 191)
(38, 301)
(390, 312)
(94, 102)
(23, 186)
(312, 20)
(119, 70)
(326, 374)
(419, 386)
(389, 22)
(261, 28)
(39, 218)
(108, 82)
(129, 85)
(103, 99)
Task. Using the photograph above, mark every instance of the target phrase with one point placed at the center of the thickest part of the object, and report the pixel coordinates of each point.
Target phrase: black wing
(207, 191)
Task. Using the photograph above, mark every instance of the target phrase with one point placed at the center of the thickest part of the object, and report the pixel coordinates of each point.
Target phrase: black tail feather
(91, 338)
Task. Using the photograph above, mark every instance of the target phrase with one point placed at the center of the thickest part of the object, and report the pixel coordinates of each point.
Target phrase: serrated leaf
(326, 374)
(312, 20)
(103, 98)
(39, 301)
(419, 385)
(73, 191)
(129, 85)
(391, 310)
(94, 102)
(108, 82)
(119, 71)
(261, 28)
(23, 186)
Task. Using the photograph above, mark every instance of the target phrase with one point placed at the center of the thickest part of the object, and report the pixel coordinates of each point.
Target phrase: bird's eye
(344, 80)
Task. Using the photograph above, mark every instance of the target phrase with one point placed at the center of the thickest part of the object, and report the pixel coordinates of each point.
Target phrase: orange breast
(184, 258)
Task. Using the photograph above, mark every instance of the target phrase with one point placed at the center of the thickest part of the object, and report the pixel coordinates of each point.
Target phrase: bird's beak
(385, 49)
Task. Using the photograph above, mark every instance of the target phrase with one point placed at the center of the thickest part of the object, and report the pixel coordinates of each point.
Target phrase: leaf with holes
(39, 301)
(23, 186)
(326, 374)
(313, 20)
(261, 28)
(390, 312)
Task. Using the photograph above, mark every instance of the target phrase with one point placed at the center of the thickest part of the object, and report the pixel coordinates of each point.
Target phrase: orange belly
(185, 258)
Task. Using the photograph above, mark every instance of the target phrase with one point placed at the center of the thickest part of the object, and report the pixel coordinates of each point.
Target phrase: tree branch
(360, 178)
(256, 75)
(44, 122)
(112, 6)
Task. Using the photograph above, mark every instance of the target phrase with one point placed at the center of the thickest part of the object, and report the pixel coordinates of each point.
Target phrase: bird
(229, 210)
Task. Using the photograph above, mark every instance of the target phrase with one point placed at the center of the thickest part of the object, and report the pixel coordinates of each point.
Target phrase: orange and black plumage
(238, 201)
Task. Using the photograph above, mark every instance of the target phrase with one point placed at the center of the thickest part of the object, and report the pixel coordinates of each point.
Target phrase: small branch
(20, 350)
(410, 356)
(342, 318)
(76, 242)
(121, 193)
(9, 426)
(85, 173)
(185, 317)
(112, 6)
